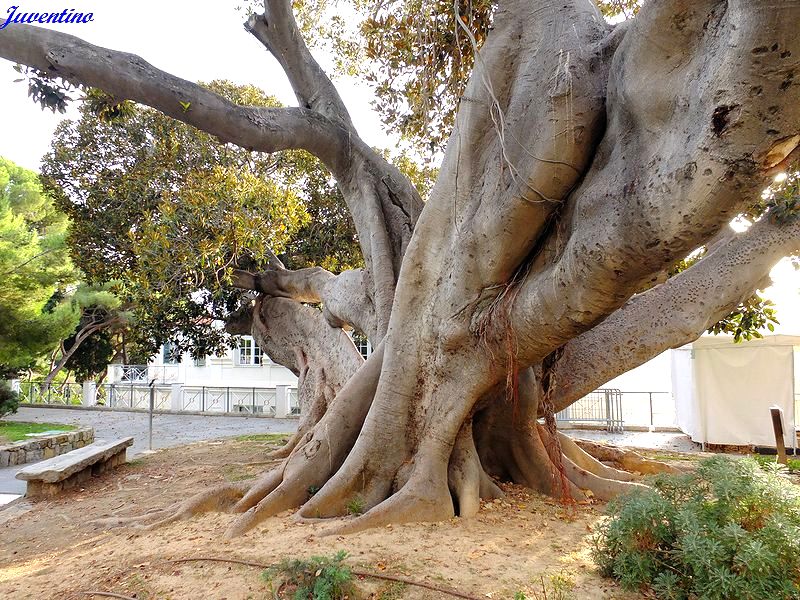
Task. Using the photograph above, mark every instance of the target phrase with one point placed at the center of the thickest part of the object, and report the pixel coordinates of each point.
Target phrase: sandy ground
(51, 549)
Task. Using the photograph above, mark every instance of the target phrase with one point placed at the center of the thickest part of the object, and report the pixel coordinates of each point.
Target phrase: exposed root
(627, 459)
(289, 494)
(586, 461)
(406, 506)
(602, 488)
(285, 450)
(219, 498)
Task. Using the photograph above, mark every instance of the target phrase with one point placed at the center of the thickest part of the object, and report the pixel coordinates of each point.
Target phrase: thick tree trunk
(585, 161)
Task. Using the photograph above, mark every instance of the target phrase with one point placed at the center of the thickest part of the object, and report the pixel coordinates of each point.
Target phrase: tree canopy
(35, 270)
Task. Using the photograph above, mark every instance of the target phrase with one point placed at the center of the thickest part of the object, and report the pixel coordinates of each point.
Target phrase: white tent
(723, 391)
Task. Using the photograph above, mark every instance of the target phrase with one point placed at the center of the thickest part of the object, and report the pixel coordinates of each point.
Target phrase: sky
(202, 41)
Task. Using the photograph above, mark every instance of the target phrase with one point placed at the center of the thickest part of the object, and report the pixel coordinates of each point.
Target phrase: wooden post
(777, 427)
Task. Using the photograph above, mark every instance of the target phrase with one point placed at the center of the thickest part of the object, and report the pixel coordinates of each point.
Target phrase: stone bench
(50, 477)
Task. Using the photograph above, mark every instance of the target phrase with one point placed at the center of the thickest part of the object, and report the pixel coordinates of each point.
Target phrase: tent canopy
(723, 391)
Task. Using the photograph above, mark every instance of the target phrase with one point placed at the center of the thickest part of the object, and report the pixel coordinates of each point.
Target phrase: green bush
(9, 400)
(318, 578)
(730, 530)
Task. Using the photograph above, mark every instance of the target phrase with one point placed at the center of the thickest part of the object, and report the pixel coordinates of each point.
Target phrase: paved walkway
(168, 430)
(658, 440)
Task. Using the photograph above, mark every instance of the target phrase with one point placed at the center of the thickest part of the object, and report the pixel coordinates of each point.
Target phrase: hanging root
(627, 459)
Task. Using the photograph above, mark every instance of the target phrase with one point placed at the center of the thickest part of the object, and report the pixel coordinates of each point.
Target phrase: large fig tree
(585, 160)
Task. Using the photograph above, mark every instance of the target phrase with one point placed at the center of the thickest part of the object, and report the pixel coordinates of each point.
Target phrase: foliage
(731, 530)
(748, 319)
(416, 55)
(355, 506)
(92, 356)
(318, 578)
(35, 270)
(170, 211)
(781, 198)
(48, 92)
(9, 401)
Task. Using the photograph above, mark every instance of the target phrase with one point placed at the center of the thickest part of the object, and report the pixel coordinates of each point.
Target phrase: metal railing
(36, 392)
(651, 409)
(602, 406)
(132, 396)
(229, 399)
(143, 373)
(136, 396)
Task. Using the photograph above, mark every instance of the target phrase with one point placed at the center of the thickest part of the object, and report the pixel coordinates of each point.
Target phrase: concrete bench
(50, 477)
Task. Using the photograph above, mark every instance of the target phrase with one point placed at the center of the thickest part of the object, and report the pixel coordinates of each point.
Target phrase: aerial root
(627, 459)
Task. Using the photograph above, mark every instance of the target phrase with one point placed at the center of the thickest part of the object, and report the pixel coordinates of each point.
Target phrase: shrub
(731, 530)
(9, 400)
(318, 578)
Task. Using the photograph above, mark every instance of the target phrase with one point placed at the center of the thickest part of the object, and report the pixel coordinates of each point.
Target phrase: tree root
(219, 498)
(627, 459)
(106, 595)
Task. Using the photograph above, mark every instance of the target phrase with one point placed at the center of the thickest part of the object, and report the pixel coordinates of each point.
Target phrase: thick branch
(679, 158)
(345, 298)
(674, 313)
(127, 76)
(383, 203)
(277, 30)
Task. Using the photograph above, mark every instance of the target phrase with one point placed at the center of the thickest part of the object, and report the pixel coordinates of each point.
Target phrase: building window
(171, 355)
(200, 362)
(248, 352)
(363, 345)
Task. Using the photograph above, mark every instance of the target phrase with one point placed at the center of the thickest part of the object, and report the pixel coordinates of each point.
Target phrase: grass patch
(235, 473)
(662, 456)
(14, 431)
(355, 506)
(263, 437)
(318, 578)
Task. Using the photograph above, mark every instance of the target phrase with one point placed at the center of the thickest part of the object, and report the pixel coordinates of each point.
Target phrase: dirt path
(53, 551)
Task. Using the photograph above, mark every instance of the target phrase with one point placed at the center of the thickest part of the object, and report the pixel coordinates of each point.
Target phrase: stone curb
(47, 446)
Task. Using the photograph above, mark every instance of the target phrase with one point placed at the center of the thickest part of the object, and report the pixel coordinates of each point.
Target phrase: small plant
(318, 578)
(355, 506)
(312, 489)
(9, 400)
(730, 530)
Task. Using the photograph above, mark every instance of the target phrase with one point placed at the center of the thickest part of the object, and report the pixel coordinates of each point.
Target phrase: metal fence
(136, 396)
(131, 396)
(613, 408)
(602, 406)
(36, 392)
